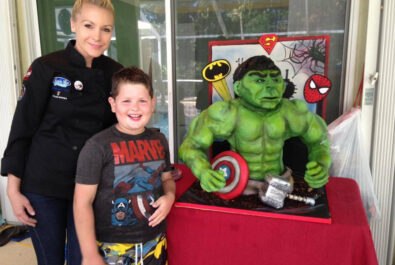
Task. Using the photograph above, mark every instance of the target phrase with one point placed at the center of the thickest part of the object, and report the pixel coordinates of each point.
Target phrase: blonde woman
(64, 102)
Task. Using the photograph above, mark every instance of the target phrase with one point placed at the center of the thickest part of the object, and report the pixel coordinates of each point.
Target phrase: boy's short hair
(106, 4)
(131, 75)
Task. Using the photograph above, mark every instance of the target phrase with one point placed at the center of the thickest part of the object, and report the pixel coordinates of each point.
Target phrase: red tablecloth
(217, 238)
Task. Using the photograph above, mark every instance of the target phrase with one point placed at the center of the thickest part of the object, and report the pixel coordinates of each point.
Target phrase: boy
(124, 188)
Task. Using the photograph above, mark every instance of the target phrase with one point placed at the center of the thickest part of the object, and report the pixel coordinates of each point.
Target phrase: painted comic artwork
(299, 58)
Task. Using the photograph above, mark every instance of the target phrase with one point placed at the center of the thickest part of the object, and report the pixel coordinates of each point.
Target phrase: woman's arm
(20, 204)
(28, 115)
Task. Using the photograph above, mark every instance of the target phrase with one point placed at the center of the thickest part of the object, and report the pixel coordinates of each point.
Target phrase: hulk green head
(259, 84)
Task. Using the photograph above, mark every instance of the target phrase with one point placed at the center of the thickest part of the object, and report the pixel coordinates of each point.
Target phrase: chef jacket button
(74, 147)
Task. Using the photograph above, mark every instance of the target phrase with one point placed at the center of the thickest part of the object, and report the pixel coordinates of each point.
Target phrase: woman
(63, 104)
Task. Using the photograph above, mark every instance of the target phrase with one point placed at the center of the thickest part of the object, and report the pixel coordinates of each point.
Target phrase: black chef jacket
(64, 103)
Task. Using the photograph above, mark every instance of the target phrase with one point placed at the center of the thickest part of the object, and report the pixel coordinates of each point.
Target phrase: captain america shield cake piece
(235, 170)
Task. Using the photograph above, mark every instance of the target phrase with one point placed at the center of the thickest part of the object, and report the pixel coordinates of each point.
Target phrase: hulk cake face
(261, 89)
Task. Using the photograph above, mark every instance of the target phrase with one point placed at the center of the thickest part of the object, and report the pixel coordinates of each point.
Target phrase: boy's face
(133, 107)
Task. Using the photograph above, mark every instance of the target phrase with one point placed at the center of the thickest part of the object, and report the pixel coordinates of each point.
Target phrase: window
(198, 22)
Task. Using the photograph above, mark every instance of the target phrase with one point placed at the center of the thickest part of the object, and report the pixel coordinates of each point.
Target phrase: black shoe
(7, 232)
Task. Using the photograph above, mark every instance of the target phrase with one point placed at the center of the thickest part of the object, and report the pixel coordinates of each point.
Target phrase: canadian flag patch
(29, 72)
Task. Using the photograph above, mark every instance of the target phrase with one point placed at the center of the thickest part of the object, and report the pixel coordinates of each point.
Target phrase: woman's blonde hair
(106, 4)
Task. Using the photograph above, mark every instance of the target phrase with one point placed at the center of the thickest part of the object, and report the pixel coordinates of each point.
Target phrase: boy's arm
(164, 203)
(84, 196)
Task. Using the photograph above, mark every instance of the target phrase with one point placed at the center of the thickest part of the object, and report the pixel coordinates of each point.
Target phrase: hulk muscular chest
(259, 139)
(256, 130)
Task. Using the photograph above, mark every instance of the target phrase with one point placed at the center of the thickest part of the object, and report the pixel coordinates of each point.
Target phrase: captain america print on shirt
(136, 188)
(137, 180)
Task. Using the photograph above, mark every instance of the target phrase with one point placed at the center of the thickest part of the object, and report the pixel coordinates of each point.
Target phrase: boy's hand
(163, 205)
(93, 260)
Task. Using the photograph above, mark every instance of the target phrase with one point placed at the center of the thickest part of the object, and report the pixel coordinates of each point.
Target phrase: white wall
(383, 135)
(9, 87)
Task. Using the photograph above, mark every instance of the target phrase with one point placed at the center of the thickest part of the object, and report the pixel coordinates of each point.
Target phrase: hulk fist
(316, 175)
(212, 180)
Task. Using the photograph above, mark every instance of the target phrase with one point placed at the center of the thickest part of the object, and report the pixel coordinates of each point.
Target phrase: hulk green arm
(316, 139)
(218, 121)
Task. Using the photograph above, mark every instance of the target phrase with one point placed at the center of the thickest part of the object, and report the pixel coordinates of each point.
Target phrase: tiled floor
(18, 253)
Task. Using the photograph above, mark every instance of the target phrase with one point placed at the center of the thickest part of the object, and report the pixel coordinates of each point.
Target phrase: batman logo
(216, 70)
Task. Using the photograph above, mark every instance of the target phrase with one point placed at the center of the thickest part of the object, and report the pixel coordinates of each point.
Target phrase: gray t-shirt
(127, 169)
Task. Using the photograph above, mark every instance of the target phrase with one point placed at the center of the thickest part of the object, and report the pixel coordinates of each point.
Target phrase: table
(219, 238)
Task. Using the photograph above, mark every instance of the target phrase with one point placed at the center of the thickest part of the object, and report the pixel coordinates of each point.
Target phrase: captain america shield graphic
(235, 171)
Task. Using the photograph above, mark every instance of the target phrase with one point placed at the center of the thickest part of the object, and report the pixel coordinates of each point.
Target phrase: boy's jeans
(54, 217)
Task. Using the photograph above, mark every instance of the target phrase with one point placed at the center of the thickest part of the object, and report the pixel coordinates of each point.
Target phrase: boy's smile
(133, 107)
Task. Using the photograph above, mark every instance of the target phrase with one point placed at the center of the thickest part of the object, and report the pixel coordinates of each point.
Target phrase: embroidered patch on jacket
(22, 92)
(61, 87)
(28, 74)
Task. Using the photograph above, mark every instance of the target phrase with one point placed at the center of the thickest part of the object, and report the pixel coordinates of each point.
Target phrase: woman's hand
(20, 204)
